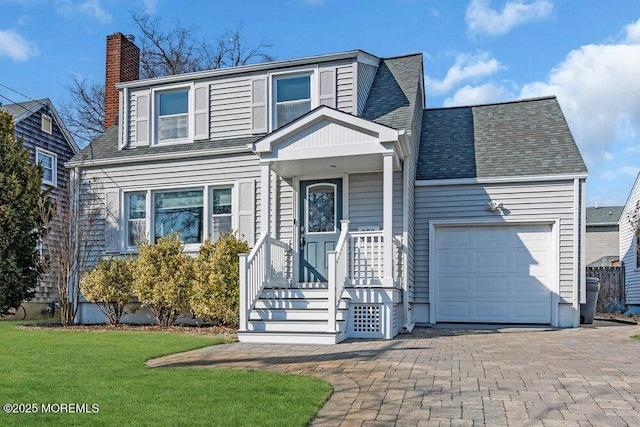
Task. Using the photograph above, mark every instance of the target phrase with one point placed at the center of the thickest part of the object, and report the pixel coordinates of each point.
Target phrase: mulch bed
(182, 329)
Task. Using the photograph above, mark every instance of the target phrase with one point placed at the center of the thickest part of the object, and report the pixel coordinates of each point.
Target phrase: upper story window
(173, 115)
(46, 124)
(292, 98)
(49, 163)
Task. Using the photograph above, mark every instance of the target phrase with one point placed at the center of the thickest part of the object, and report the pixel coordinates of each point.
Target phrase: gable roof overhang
(326, 140)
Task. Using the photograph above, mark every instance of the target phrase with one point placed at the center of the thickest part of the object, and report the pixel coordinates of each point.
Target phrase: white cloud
(633, 33)
(482, 19)
(466, 67)
(631, 171)
(16, 47)
(89, 8)
(474, 95)
(599, 91)
(607, 156)
(150, 6)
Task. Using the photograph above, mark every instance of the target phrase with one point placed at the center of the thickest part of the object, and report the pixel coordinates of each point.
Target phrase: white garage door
(494, 274)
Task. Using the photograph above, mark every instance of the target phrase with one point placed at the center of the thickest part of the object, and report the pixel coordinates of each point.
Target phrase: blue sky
(586, 52)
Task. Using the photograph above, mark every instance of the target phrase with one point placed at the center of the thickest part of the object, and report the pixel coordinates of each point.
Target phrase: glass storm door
(320, 215)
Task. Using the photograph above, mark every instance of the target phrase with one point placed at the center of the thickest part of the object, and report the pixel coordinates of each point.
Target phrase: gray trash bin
(588, 310)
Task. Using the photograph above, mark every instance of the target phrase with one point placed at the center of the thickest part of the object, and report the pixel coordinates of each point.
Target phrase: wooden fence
(611, 285)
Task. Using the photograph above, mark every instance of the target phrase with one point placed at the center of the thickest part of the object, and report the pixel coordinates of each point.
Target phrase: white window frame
(46, 124)
(54, 166)
(155, 111)
(274, 77)
(207, 220)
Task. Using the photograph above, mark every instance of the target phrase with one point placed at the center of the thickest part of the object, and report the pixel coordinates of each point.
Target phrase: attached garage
(493, 273)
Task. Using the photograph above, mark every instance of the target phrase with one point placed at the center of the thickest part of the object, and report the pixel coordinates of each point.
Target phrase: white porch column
(387, 222)
(265, 213)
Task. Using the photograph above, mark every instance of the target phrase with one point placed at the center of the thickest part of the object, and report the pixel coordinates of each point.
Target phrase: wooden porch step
(294, 315)
(317, 338)
(297, 304)
(294, 293)
(289, 326)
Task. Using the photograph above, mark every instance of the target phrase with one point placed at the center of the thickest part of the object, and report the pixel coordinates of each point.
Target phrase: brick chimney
(123, 65)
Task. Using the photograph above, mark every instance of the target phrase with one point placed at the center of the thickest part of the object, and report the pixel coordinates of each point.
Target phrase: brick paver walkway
(515, 377)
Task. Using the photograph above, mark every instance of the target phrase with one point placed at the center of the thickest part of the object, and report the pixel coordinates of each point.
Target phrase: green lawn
(107, 368)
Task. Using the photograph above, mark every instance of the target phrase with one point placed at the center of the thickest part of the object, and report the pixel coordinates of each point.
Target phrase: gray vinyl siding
(465, 203)
(170, 175)
(230, 107)
(345, 91)
(284, 209)
(366, 75)
(602, 241)
(366, 200)
(628, 249)
(30, 131)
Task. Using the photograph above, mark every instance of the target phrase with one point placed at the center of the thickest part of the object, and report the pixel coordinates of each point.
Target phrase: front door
(320, 215)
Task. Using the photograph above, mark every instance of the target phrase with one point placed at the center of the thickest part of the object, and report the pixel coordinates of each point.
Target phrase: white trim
(385, 134)
(498, 180)
(164, 156)
(272, 79)
(299, 62)
(504, 221)
(124, 131)
(54, 166)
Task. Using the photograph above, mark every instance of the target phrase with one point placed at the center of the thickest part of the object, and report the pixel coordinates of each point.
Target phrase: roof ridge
(514, 101)
(402, 56)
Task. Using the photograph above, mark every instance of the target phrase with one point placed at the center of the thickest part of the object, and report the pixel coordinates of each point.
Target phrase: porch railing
(267, 263)
(337, 272)
(366, 258)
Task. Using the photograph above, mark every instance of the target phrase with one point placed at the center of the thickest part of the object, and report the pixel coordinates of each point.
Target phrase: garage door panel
(454, 260)
(492, 285)
(455, 285)
(528, 285)
(454, 311)
(491, 311)
(492, 260)
(494, 274)
(453, 238)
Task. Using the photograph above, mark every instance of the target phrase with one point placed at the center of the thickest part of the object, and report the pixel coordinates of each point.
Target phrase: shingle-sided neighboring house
(46, 137)
(603, 238)
(366, 213)
(630, 250)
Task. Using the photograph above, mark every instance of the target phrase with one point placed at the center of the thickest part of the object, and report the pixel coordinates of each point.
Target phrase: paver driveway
(439, 376)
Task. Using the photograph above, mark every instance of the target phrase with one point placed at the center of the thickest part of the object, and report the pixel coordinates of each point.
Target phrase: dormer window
(173, 115)
(292, 98)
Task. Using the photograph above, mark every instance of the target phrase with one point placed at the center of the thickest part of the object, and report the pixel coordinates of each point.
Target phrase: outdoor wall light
(493, 206)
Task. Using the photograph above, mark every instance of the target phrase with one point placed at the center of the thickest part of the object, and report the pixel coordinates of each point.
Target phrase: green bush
(109, 285)
(163, 278)
(216, 288)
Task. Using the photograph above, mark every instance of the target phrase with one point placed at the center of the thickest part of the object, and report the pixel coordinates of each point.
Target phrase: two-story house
(43, 133)
(366, 213)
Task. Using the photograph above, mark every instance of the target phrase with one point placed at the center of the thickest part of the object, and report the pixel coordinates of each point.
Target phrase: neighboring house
(603, 239)
(630, 250)
(46, 137)
(367, 214)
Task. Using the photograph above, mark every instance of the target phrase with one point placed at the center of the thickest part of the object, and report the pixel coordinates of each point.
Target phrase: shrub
(109, 285)
(216, 288)
(163, 278)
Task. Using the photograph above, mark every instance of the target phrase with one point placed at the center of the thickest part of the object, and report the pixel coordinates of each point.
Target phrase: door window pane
(321, 208)
(179, 212)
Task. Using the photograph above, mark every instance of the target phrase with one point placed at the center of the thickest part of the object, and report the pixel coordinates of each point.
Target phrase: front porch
(330, 280)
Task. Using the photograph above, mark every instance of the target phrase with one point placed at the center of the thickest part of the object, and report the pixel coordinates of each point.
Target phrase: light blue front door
(320, 215)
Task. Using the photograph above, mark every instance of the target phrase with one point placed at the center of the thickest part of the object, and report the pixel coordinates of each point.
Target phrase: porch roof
(327, 140)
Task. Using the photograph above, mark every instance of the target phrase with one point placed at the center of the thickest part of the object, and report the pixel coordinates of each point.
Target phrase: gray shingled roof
(106, 147)
(19, 108)
(520, 138)
(392, 97)
(604, 215)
